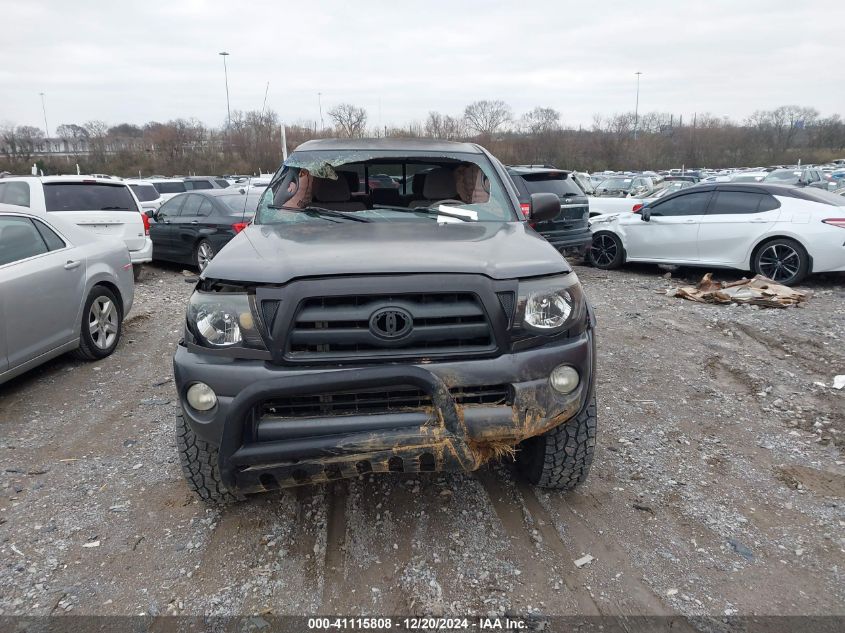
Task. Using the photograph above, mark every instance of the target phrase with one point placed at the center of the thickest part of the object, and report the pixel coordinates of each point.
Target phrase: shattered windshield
(385, 186)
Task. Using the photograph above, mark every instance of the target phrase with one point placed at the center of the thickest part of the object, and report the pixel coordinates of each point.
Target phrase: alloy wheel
(103, 322)
(603, 250)
(205, 253)
(779, 262)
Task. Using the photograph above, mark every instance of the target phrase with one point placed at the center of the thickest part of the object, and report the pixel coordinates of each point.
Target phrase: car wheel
(606, 251)
(203, 254)
(102, 325)
(784, 261)
(137, 271)
(199, 466)
(561, 457)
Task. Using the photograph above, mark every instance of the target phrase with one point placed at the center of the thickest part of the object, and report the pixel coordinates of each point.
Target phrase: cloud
(156, 60)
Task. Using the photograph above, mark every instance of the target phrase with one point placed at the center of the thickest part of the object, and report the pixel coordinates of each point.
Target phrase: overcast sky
(158, 60)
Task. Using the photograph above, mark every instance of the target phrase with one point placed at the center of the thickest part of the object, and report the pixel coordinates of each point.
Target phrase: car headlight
(220, 320)
(550, 304)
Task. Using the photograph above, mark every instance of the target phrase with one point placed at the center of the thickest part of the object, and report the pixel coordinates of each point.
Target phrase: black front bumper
(257, 454)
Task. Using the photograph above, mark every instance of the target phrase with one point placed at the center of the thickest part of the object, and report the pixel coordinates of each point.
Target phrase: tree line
(251, 141)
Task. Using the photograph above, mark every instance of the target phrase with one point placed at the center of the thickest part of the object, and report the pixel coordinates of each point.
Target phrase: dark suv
(568, 231)
(337, 335)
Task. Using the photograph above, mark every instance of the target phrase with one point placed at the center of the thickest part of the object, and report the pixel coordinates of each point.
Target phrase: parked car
(194, 183)
(671, 187)
(748, 176)
(569, 231)
(625, 187)
(148, 196)
(779, 231)
(584, 181)
(191, 228)
(330, 339)
(596, 180)
(103, 206)
(168, 187)
(692, 179)
(62, 289)
(806, 177)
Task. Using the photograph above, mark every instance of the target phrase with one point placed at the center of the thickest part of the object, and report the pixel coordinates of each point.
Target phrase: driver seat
(335, 195)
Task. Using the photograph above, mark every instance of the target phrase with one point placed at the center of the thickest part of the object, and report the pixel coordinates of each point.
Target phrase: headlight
(220, 319)
(550, 304)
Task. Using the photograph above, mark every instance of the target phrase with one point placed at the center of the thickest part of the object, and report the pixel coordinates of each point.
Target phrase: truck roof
(409, 144)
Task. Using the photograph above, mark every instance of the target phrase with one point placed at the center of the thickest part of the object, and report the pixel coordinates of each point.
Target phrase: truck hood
(280, 253)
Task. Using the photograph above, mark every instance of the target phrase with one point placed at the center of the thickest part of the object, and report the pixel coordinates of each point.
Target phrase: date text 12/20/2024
(418, 624)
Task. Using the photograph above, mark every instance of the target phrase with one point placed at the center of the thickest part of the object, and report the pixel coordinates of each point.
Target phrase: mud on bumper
(463, 413)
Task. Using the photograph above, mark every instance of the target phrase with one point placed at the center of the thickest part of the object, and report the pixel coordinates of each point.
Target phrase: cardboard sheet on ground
(756, 291)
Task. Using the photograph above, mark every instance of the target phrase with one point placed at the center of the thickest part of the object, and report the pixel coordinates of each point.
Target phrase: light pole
(224, 54)
(320, 106)
(44, 110)
(637, 106)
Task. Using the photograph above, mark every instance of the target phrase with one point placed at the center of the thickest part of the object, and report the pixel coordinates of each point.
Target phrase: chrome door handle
(70, 265)
(194, 222)
(690, 222)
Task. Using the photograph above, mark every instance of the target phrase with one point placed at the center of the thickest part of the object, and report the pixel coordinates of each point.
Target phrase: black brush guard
(402, 441)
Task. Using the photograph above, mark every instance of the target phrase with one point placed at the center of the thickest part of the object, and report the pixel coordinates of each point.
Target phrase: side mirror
(543, 206)
(645, 214)
(150, 213)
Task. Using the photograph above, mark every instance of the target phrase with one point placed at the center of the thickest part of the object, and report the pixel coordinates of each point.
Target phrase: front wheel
(198, 459)
(561, 457)
(606, 251)
(102, 325)
(203, 254)
(784, 261)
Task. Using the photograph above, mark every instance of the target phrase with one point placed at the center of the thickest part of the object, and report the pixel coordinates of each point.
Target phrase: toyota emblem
(391, 323)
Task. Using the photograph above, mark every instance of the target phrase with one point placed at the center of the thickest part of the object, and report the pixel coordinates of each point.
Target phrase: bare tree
(487, 117)
(444, 126)
(255, 136)
(540, 121)
(75, 137)
(350, 120)
(21, 142)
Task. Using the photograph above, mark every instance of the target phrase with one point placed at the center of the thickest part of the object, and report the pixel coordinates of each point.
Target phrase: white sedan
(781, 232)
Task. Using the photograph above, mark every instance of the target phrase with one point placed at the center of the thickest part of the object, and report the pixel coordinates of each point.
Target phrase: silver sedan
(62, 289)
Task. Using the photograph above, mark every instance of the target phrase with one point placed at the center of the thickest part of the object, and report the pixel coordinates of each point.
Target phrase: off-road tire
(87, 349)
(600, 258)
(802, 268)
(199, 465)
(561, 457)
(137, 272)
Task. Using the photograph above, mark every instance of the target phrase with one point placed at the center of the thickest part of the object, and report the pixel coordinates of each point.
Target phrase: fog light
(564, 379)
(201, 397)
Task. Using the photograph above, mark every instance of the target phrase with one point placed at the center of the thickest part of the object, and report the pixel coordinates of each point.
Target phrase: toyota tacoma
(408, 323)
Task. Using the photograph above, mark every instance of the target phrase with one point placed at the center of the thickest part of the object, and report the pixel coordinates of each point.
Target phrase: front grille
(337, 327)
(374, 402)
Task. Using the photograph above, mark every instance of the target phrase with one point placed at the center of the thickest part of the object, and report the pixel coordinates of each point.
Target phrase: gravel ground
(717, 488)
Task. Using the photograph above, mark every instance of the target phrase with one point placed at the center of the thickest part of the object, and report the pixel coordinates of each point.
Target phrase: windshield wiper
(113, 209)
(429, 211)
(323, 213)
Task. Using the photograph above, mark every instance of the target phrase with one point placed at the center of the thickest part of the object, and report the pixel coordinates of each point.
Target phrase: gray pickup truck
(354, 328)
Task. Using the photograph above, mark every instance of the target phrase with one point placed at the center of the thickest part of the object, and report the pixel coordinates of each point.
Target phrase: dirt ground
(718, 485)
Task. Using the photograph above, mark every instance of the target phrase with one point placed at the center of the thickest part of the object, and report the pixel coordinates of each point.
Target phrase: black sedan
(191, 228)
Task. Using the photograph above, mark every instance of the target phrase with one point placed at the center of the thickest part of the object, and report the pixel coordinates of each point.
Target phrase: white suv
(168, 187)
(147, 195)
(103, 206)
